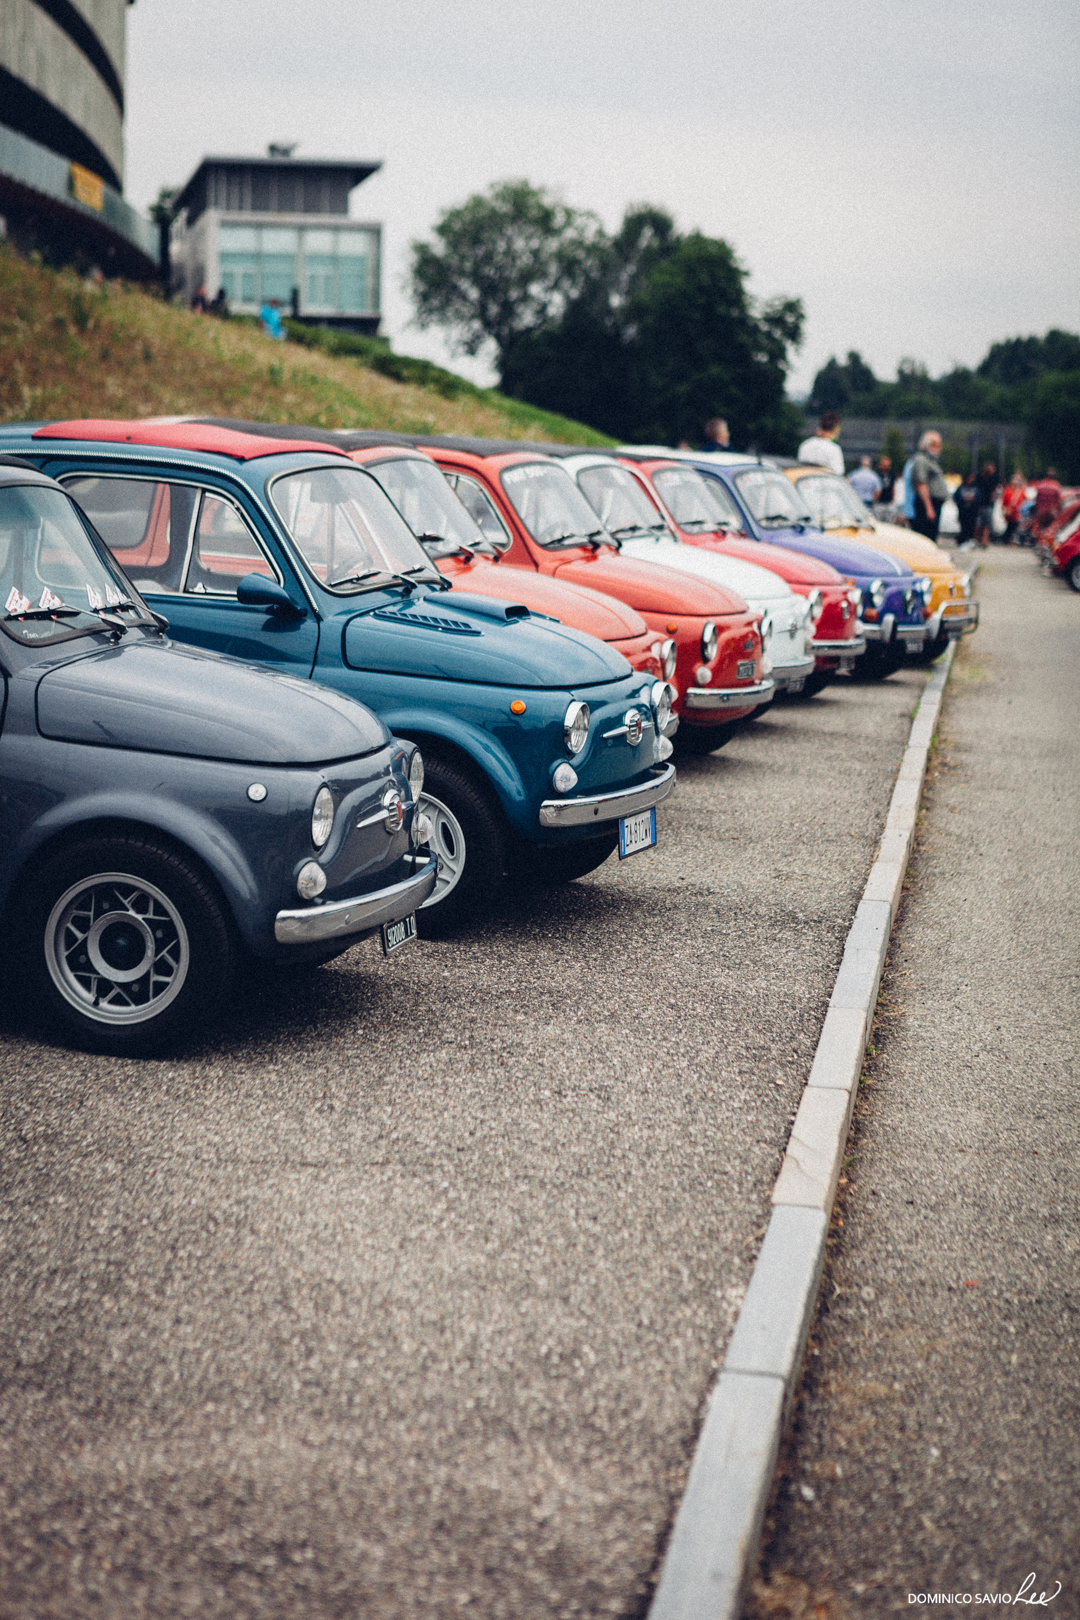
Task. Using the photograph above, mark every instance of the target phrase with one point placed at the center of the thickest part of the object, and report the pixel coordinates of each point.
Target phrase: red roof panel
(182, 436)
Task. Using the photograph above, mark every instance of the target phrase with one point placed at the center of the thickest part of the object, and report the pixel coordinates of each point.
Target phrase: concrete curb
(715, 1538)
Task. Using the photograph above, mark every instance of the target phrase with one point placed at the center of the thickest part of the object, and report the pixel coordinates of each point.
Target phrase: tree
(1055, 422)
(848, 387)
(503, 263)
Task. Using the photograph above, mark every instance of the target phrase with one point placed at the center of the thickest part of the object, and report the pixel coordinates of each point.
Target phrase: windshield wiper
(61, 612)
(381, 575)
(592, 538)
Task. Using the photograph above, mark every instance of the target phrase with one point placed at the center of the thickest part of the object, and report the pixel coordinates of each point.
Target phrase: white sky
(909, 169)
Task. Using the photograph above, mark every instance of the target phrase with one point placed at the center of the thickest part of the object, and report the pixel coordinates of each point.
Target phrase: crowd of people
(917, 495)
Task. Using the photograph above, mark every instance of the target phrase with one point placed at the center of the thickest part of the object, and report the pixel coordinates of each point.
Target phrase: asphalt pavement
(401, 1293)
(935, 1455)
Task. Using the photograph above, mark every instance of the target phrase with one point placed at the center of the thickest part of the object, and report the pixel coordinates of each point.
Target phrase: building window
(336, 270)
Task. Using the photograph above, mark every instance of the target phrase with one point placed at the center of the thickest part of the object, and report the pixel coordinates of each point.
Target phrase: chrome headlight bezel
(710, 640)
(322, 817)
(660, 700)
(877, 592)
(814, 604)
(576, 727)
(926, 588)
(765, 629)
(416, 776)
(669, 657)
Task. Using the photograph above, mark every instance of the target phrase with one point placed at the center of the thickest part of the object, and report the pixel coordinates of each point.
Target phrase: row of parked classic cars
(271, 690)
(1058, 544)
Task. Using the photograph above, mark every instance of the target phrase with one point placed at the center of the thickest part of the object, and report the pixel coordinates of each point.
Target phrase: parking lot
(400, 1293)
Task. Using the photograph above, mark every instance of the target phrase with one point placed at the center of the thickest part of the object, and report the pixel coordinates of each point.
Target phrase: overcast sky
(909, 169)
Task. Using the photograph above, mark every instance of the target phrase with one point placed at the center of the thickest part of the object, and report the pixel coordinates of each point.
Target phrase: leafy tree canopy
(644, 334)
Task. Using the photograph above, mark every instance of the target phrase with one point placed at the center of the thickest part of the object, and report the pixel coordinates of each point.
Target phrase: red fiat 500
(555, 531)
(701, 512)
(1059, 545)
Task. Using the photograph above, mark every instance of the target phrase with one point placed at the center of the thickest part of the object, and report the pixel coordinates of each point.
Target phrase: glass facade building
(272, 228)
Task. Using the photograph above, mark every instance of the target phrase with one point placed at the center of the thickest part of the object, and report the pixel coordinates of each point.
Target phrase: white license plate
(745, 672)
(637, 833)
(397, 934)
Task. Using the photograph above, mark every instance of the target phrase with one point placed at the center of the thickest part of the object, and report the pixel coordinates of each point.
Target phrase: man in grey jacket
(928, 482)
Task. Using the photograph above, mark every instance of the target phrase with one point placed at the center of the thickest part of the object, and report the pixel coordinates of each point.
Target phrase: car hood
(793, 566)
(849, 556)
(748, 580)
(163, 699)
(648, 586)
(576, 605)
(916, 550)
(456, 636)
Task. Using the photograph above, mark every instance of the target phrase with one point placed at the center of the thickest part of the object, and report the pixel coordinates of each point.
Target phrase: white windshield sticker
(17, 602)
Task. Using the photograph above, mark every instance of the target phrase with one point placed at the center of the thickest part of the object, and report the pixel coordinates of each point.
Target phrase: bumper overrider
(889, 631)
(600, 807)
(703, 699)
(341, 918)
(953, 624)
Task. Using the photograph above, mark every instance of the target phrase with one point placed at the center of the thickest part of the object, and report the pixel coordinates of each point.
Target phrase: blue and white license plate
(397, 934)
(637, 833)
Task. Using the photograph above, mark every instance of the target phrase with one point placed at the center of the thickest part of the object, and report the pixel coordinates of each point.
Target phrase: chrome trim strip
(608, 806)
(344, 917)
(731, 697)
(783, 673)
(845, 649)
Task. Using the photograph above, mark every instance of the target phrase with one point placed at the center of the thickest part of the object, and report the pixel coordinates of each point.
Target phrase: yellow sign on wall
(87, 187)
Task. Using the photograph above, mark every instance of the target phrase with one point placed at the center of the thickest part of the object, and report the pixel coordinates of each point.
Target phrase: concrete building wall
(35, 50)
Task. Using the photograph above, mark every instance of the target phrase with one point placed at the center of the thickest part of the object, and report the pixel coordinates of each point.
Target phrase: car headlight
(710, 640)
(814, 604)
(854, 596)
(660, 698)
(965, 584)
(564, 778)
(926, 588)
(416, 776)
(576, 727)
(877, 592)
(310, 881)
(765, 629)
(668, 657)
(322, 817)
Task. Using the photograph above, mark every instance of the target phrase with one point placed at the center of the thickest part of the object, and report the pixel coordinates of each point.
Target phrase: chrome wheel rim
(117, 949)
(447, 844)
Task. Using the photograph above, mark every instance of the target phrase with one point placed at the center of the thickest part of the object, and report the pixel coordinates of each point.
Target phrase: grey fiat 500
(166, 812)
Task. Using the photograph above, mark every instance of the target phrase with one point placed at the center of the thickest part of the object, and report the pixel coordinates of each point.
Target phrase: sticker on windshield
(113, 598)
(95, 598)
(17, 602)
(48, 600)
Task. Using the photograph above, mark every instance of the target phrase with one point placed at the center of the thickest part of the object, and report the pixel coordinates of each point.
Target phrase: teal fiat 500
(544, 752)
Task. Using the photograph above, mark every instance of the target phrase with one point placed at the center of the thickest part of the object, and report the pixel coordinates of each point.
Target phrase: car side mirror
(255, 590)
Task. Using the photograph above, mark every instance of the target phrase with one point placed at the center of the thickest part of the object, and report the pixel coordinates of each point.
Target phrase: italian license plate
(637, 833)
(745, 672)
(396, 934)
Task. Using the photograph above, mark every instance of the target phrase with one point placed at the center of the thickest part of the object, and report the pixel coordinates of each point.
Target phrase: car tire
(470, 842)
(817, 682)
(931, 651)
(158, 969)
(696, 740)
(1072, 573)
(875, 665)
(543, 867)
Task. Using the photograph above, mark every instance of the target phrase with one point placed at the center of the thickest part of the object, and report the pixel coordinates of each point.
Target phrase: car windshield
(429, 506)
(619, 501)
(771, 498)
(694, 503)
(550, 505)
(833, 502)
(346, 528)
(53, 580)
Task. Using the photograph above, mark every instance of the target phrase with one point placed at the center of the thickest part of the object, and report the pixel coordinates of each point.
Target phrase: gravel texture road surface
(936, 1449)
(400, 1294)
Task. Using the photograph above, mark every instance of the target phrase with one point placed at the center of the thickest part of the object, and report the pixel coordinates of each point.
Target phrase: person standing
(865, 482)
(821, 449)
(1012, 500)
(967, 509)
(717, 436)
(987, 485)
(928, 483)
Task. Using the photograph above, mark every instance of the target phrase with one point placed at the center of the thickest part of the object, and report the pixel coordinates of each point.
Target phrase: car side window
(224, 549)
(145, 523)
(480, 507)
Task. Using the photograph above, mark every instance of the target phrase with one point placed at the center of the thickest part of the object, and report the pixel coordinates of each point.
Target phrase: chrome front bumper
(602, 807)
(952, 624)
(700, 699)
(792, 674)
(362, 916)
(851, 648)
(889, 631)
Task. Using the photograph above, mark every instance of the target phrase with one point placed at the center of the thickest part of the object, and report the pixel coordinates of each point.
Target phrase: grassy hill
(70, 349)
